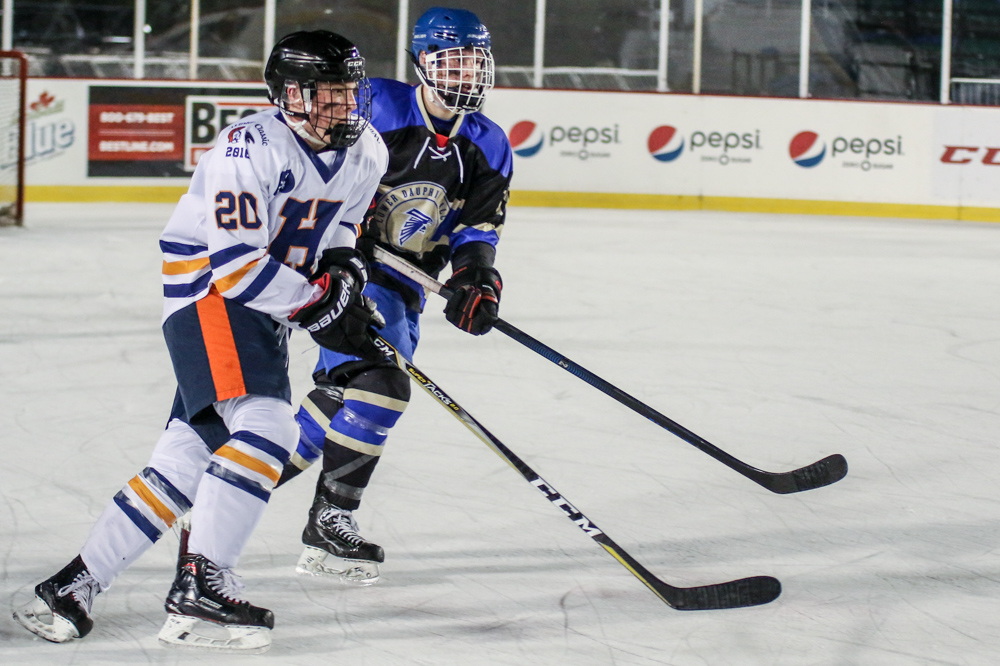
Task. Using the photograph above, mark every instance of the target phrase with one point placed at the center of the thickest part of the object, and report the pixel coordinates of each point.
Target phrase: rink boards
(105, 140)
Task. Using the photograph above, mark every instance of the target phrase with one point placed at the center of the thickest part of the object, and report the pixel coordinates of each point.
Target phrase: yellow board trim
(109, 193)
(171, 193)
(748, 205)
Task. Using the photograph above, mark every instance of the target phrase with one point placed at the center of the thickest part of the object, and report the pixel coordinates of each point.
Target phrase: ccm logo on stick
(966, 154)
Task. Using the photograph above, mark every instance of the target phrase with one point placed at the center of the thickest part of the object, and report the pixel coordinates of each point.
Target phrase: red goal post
(13, 110)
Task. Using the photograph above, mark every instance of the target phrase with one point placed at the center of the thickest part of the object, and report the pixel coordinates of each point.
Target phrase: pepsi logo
(807, 149)
(526, 138)
(665, 143)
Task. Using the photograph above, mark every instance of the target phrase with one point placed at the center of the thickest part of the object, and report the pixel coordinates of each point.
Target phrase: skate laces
(83, 588)
(224, 582)
(342, 522)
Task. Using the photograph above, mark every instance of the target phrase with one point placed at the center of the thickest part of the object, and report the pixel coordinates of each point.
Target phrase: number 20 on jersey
(234, 210)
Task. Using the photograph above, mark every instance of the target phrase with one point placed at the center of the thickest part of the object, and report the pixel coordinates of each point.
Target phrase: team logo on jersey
(235, 134)
(807, 149)
(665, 143)
(411, 214)
(286, 182)
(417, 222)
(526, 138)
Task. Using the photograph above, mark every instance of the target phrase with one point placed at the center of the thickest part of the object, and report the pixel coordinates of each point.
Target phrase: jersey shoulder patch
(249, 134)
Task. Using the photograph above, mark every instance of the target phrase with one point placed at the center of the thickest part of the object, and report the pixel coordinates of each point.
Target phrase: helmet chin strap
(305, 130)
(443, 112)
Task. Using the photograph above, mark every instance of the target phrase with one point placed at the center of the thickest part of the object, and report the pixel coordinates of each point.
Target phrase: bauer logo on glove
(340, 318)
(337, 307)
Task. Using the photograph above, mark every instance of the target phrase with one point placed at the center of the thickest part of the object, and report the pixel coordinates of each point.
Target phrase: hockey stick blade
(752, 591)
(820, 473)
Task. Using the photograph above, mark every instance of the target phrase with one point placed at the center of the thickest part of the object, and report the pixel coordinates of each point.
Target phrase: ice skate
(206, 612)
(334, 547)
(60, 610)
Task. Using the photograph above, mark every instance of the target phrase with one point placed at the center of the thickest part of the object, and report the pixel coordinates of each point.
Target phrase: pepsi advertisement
(760, 152)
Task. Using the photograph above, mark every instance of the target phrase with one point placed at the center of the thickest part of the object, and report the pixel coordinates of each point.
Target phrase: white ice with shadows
(780, 339)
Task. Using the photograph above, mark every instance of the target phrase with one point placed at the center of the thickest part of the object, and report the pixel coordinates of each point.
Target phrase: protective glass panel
(370, 24)
(876, 49)
(230, 39)
(751, 47)
(58, 36)
(618, 39)
(680, 46)
(976, 52)
(512, 32)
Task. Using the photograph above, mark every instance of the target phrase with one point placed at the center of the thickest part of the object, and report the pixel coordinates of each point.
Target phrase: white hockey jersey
(261, 208)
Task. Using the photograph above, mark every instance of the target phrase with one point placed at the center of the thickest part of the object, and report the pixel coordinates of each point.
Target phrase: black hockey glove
(476, 299)
(339, 259)
(340, 318)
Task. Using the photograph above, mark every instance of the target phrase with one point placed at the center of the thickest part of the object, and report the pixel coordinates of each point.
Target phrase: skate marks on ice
(780, 338)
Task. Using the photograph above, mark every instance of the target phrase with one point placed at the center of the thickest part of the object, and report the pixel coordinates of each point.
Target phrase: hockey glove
(340, 318)
(338, 259)
(473, 305)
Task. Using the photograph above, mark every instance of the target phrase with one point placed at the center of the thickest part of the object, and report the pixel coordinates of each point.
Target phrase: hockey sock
(314, 418)
(234, 491)
(147, 505)
(373, 403)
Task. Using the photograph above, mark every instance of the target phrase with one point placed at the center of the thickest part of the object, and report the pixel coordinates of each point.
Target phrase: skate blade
(33, 617)
(190, 633)
(318, 562)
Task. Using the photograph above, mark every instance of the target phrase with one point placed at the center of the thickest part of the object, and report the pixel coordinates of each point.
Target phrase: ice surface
(780, 339)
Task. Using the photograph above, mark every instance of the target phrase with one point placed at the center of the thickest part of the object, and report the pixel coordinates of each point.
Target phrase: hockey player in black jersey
(442, 199)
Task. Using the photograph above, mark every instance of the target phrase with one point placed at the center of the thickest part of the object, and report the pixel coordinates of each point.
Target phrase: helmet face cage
(301, 62)
(459, 76)
(337, 130)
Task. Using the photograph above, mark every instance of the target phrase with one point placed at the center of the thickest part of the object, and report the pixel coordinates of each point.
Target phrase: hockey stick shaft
(820, 473)
(752, 591)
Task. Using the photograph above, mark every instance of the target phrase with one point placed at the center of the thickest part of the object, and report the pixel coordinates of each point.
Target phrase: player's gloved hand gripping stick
(820, 473)
(339, 317)
(475, 297)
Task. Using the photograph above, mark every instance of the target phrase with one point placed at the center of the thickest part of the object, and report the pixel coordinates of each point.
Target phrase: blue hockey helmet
(444, 28)
(457, 64)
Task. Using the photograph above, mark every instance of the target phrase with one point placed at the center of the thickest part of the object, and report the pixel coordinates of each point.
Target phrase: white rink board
(740, 148)
(749, 159)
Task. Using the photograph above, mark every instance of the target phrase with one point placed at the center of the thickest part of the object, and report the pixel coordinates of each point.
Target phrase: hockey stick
(820, 473)
(752, 591)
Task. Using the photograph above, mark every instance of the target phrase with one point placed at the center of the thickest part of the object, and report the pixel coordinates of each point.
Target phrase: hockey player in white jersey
(262, 243)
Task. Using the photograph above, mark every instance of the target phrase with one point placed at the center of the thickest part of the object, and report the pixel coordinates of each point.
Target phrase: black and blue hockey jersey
(445, 186)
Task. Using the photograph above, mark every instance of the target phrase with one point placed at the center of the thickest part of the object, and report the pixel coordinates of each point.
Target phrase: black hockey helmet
(309, 57)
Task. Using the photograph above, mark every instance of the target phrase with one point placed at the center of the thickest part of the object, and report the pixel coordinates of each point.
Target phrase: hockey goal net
(13, 96)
